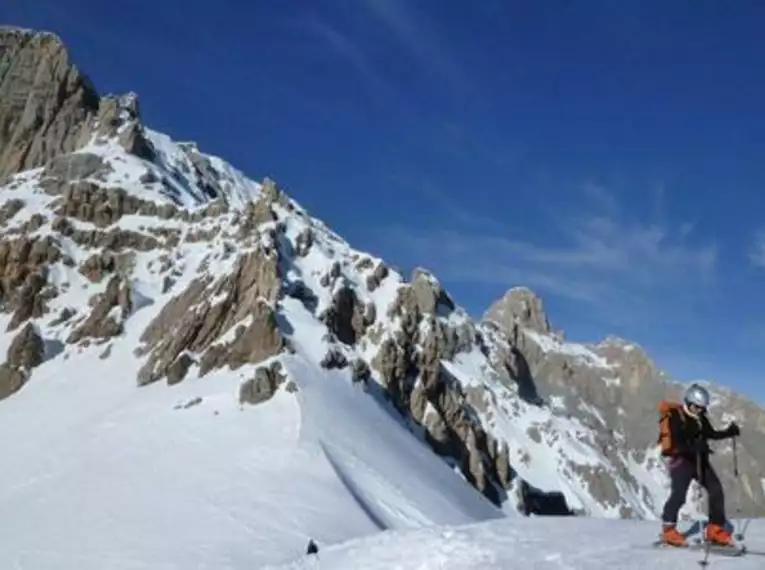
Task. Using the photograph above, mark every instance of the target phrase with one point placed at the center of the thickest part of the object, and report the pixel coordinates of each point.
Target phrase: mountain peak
(50, 108)
(519, 306)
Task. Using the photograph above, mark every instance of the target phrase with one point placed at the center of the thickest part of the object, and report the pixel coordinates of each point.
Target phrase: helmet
(697, 395)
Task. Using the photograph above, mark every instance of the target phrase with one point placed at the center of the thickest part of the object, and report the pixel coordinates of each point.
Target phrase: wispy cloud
(602, 259)
(757, 251)
(344, 47)
(399, 18)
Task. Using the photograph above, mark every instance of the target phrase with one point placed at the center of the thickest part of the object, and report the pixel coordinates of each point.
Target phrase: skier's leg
(716, 531)
(716, 496)
(681, 473)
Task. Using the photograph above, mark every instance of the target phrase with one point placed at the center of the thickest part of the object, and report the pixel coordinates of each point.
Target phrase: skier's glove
(733, 430)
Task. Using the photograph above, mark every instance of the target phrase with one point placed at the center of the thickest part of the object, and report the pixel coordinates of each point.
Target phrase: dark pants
(682, 472)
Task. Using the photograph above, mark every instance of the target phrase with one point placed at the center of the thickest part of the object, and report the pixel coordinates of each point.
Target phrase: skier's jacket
(681, 434)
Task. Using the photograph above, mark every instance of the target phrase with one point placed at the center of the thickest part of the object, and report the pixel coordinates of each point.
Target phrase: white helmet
(697, 395)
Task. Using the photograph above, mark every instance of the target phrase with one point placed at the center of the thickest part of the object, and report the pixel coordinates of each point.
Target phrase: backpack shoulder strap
(668, 407)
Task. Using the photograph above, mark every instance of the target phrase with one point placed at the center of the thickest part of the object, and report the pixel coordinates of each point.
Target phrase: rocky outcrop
(252, 343)
(23, 277)
(519, 307)
(48, 107)
(418, 384)
(346, 317)
(424, 296)
(99, 265)
(264, 384)
(27, 351)
(110, 310)
(197, 319)
(115, 239)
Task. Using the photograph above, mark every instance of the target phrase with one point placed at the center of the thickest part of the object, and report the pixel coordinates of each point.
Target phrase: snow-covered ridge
(547, 450)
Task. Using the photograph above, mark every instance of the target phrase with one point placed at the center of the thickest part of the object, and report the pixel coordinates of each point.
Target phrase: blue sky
(609, 155)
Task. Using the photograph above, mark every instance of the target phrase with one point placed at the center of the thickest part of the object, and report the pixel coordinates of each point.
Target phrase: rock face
(613, 388)
(519, 307)
(263, 385)
(191, 323)
(47, 106)
(420, 386)
(171, 266)
(25, 353)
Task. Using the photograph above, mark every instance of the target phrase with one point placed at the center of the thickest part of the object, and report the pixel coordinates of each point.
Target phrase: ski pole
(743, 524)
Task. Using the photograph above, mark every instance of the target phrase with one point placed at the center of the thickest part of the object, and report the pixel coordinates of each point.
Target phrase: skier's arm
(711, 433)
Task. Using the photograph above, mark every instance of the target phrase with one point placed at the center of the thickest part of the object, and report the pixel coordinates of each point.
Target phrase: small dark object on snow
(312, 548)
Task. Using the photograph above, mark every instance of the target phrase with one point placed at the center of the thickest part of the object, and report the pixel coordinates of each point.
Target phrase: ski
(733, 551)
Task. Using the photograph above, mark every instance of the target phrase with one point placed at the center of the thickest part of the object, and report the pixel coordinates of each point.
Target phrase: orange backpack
(666, 408)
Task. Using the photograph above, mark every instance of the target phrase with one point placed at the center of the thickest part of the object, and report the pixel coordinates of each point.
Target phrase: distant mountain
(181, 338)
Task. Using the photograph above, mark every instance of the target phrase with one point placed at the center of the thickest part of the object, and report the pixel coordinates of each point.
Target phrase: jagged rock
(10, 208)
(208, 178)
(191, 322)
(270, 191)
(377, 277)
(422, 297)
(421, 387)
(44, 100)
(120, 116)
(329, 278)
(370, 315)
(177, 371)
(65, 314)
(519, 307)
(23, 276)
(202, 235)
(263, 385)
(345, 317)
(303, 242)
(69, 167)
(428, 293)
(27, 351)
(110, 309)
(98, 265)
(501, 457)
(360, 371)
(101, 205)
(254, 343)
(49, 108)
(115, 240)
(334, 359)
(11, 380)
(300, 291)
(257, 213)
(364, 263)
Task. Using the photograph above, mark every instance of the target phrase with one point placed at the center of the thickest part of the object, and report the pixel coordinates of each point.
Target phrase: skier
(684, 435)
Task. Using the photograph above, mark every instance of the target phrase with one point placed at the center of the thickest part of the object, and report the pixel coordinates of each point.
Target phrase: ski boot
(717, 535)
(672, 537)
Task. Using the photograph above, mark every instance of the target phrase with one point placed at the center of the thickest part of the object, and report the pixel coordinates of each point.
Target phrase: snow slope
(540, 543)
(99, 474)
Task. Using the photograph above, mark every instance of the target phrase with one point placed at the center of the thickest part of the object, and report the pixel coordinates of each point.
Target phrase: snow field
(545, 543)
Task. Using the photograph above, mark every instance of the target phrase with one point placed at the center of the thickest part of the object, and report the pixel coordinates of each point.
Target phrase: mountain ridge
(175, 268)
